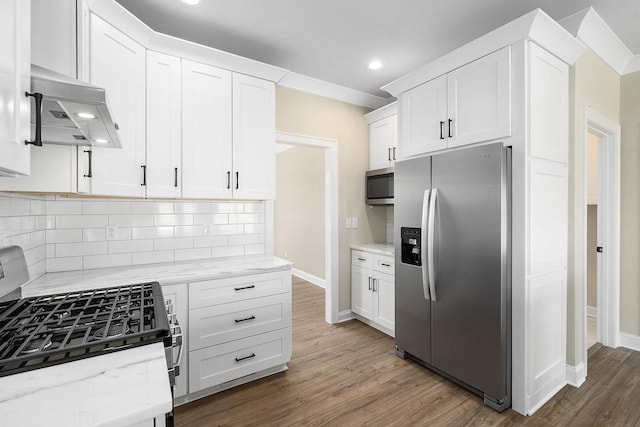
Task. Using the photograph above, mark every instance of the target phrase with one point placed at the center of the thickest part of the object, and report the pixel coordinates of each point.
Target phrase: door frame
(609, 227)
(331, 265)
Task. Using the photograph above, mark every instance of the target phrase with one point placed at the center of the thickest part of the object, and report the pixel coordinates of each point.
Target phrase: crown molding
(382, 112)
(535, 25)
(588, 27)
(331, 90)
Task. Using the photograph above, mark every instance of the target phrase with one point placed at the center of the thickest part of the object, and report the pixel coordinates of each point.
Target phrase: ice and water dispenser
(411, 251)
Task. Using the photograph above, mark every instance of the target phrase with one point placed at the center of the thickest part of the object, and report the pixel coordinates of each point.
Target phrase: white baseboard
(592, 311)
(576, 375)
(309, 277)
(632, 342)
(345, 315)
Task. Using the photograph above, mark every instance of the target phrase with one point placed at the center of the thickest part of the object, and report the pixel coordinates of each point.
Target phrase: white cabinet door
(384, 300)
(53, 33)
(362, 291)
(117, 63)
(253, 138)
(423, 118)
(479, 99)
(15, 75)
(383, 141)
(206, 131)
(179, 297)
(164, 125)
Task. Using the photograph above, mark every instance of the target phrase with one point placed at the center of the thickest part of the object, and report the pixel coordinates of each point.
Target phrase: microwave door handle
(423, 244)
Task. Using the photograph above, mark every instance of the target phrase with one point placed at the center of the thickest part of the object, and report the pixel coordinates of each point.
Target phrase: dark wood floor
(348, 375)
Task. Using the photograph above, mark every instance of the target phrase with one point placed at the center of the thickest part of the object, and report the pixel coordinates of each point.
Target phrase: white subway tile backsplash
(60, 233)
(104, 261)
(151, 257)
(175, 219)
(63, 236)
(151, 232)
(124, 246)
(175, 243)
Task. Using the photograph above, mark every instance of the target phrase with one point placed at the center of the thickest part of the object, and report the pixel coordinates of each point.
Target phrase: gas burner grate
(41, 331)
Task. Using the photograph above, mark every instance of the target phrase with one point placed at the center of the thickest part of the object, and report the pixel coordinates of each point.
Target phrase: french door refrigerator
(453, 256)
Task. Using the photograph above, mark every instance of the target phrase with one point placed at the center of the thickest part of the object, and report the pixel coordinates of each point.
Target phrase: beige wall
(593, 83)
(299, 227)
(630, 205)
(312, 115)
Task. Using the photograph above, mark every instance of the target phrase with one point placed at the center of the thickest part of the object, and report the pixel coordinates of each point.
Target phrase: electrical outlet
(354, 222)
(111, 231)
(348, 223)
(207, 229)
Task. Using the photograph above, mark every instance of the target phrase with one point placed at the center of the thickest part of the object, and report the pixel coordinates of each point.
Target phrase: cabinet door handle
(38, 139)
(175, 177)
(389, 154)
(385, 264)
(369, 283)
(240, 359)
(237, 180)
(244, 287)
(394, 153)
(90, 156)
(228, 180)
(144, 175)
(441, 130)
(361, 259)
(374, 284)
(450, 121)
(245, 319)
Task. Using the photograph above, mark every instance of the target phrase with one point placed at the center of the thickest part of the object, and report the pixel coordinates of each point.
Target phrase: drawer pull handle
(246, 319)
(245, 287)
(245, 358)
(385, 264)
(361, 259)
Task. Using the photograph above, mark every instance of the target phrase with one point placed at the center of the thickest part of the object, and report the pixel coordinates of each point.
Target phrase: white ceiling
(334, 40)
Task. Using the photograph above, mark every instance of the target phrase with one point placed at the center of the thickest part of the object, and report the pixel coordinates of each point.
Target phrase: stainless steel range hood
(71, 112)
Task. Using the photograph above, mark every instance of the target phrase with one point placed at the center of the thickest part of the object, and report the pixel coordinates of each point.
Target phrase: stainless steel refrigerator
(453, 267)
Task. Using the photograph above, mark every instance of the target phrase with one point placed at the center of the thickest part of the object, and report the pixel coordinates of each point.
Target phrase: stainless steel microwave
(380, 186)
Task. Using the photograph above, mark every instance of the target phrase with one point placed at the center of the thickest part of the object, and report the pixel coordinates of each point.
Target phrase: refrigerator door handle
(430, 243)
(423, 244)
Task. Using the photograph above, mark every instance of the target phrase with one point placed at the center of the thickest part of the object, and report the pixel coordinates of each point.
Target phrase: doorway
(601, 253)
(330, 150)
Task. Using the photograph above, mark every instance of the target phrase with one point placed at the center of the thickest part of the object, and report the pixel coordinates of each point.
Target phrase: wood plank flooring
(348, 375)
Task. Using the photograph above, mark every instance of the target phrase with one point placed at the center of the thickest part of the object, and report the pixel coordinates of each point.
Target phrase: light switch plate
(354, 222)
(348, 223)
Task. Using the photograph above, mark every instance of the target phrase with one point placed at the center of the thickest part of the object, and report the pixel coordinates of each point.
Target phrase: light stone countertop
(376, 248)
(165, 273)
(116, 389)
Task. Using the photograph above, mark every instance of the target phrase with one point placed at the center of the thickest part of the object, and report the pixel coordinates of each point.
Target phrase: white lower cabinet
(373, 289)
(238, 327)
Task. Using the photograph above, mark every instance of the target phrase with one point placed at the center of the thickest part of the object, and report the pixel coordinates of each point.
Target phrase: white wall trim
(592, 311)
(382, 112)
(588, 27)
(576, 375)
(632, 342)
(331, 90)
(315, 280)
(345, 315)
(332, 271)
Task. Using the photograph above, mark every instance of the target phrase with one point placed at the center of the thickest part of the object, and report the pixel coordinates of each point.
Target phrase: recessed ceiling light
(375, 65)
(85, 115)
(191, 2)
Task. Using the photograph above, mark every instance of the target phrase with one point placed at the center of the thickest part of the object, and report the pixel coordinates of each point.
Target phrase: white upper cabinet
(253, 138)
(383, 136)
(469, 104)
(117, 63)
(206, 131)
(15, 75)
(164, 123)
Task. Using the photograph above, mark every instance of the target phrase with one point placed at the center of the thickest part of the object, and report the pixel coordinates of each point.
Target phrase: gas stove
(46, 330)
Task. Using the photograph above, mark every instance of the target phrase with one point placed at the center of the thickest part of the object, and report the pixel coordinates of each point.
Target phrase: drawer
(383, 264)
(215, 365)
(361, 259)
(222, 291)
(227, 322)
